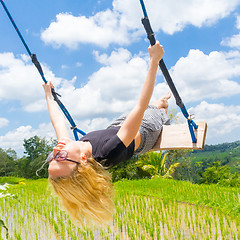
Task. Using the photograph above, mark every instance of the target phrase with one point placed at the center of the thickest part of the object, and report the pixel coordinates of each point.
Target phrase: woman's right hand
(56, 116)
(156, 52)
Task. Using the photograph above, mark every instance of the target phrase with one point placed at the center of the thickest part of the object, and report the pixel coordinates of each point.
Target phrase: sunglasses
(60, 156)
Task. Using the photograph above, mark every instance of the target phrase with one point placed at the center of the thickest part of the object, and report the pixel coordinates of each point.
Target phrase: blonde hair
(87, 193)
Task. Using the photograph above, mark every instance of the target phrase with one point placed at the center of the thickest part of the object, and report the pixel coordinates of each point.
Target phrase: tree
(36, 146)
(221, 175)
(36, 150)
(215, 173)
(7, 162)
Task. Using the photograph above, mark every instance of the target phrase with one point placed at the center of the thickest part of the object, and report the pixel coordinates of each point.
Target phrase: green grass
(12, 180)
(222, 198)
(145, 209)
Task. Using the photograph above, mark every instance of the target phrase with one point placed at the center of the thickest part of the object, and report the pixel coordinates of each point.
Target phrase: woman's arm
(56, 116)
(131, 125)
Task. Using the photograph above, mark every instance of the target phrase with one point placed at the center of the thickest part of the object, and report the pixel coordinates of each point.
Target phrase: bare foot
(163, 102)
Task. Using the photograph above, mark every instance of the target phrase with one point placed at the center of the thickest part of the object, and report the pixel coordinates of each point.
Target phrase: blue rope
(39, 68)
(143, 8)
(191, 124)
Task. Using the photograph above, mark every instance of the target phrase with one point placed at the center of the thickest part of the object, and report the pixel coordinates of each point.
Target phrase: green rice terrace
(145, 209)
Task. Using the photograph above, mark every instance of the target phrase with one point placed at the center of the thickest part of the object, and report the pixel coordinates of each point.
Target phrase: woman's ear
(83, 159)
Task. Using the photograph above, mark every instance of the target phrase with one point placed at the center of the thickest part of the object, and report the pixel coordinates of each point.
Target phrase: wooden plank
(177, 136)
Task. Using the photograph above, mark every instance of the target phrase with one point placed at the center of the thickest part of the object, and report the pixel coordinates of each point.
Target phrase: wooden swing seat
(178, 136)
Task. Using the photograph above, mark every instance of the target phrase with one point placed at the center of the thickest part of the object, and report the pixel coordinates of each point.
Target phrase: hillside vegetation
(226, 153)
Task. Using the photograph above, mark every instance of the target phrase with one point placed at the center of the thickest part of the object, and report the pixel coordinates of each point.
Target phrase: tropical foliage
(153, 163)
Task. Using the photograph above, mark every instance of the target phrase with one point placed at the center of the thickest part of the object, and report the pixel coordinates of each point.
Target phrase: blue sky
(95, 52)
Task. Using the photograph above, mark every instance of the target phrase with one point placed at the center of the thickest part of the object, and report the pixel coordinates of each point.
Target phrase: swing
(178, 136)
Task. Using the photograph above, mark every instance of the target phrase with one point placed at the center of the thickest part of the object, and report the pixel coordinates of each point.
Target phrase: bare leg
(163, 102)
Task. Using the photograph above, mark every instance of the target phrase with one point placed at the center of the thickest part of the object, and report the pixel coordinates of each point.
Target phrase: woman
(77, 169)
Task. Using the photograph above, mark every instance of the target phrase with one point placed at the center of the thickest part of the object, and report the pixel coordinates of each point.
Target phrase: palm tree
(153, 163)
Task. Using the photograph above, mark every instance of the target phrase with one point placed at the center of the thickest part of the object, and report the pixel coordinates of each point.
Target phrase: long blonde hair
(87, 193)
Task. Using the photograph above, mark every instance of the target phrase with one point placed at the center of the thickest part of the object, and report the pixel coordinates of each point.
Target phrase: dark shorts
(150, 128)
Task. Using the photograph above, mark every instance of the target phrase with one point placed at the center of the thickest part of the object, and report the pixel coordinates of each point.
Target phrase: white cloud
(175, 15)
(3, 122)
(78, 64)
(20, 80)
(94, 124)
(101, 29)
(234, 41)
(114, 88)
(122, 24)
(199, 76)
(222, 120)
(111, 90)
(63, 66)
(14, 138)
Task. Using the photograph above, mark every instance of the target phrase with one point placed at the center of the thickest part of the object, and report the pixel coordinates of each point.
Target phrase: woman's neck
(86, 148)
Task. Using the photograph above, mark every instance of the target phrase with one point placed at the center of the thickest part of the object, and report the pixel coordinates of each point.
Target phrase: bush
(127, 170)
(221, 175)
(232, 181)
